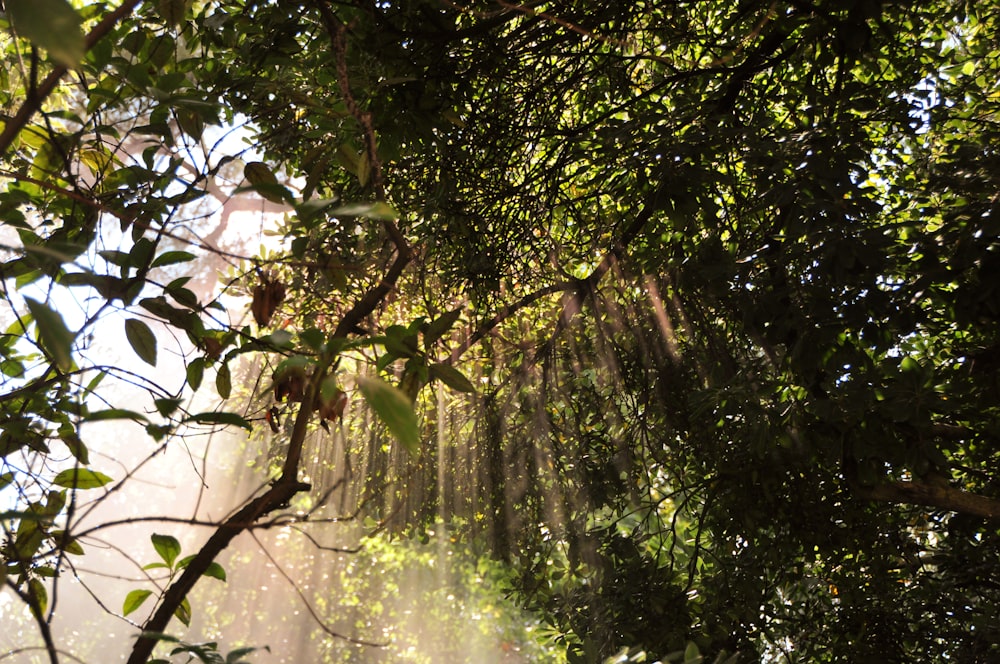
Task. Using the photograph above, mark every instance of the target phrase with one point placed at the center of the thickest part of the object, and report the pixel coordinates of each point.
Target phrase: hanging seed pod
(267, 297)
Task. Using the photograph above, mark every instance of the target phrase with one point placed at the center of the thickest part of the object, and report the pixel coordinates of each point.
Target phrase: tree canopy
(682, 316)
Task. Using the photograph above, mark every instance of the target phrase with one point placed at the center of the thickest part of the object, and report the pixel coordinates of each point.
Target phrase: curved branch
(941, 497)
(275, 498)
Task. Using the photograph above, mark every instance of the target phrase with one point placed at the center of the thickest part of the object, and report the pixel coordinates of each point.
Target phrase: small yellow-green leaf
(167, 547)
(142, 340)
(183, 612)
(393, 408)
(134, 600)
(81, 478)
(56, 338)
(50, 24)
(216, 571)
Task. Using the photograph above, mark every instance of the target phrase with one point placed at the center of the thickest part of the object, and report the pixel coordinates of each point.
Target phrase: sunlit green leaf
(393, 408)
(167, 547)
(183, 612)
(81, 478)
(134, 600)
(380, 211)
(215, 570)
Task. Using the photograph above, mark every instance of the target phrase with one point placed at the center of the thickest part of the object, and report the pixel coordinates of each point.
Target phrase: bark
(931, 495)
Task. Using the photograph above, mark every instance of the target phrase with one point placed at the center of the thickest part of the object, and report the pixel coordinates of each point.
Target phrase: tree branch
(276, 497)
(930, 495)
(34, 102)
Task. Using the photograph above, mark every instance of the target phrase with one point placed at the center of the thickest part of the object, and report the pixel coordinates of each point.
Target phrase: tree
(685, 309)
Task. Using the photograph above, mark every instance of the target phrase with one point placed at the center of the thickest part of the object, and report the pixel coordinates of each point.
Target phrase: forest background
(578, 331)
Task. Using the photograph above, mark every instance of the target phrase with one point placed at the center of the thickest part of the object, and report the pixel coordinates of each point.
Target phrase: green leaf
(183, 612)
(452, 377)
(265, 183)
(173, 257)
(81, 478)
(134, 600)
(393, 408)
(50, 24)
(172, 11)
(195, 372)
(180, 318)
(378, 211)
(167, 547)
(235, 656)
(215, 570)
(67, 544)
(224, 381)
(309, 209)
(166, 407)
(437, 327)
(142, 340)
(6, 480)
(220, 418)
(115, 414)
(257, 173)
(56, 338)
(313, 338)
(74, 444)
(40, 597)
